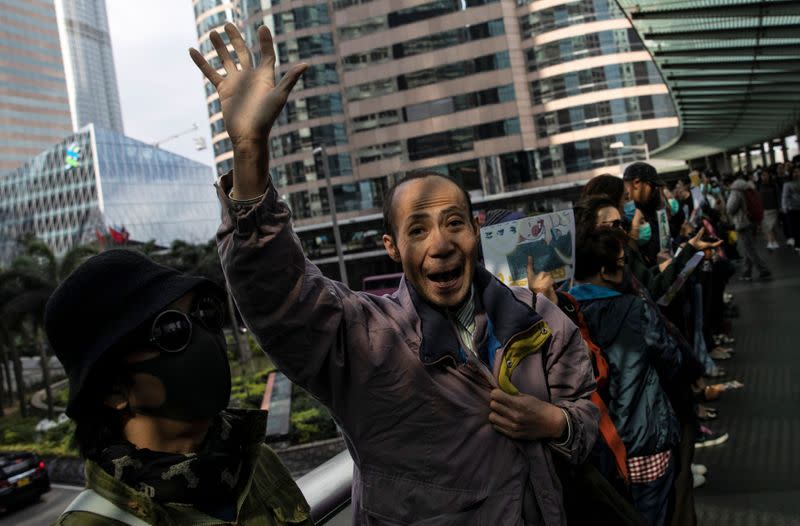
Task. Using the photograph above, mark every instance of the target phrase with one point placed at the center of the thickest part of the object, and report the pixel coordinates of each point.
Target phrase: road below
(45, 511)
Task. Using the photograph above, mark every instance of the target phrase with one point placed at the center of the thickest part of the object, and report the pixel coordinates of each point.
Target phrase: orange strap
(606, 426)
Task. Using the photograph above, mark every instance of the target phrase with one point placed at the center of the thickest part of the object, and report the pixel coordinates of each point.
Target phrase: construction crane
(199, 142)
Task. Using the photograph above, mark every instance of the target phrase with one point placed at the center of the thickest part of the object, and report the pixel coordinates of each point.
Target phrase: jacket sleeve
(660, 282)
(295, 313)
(663, 350)
(570, 379)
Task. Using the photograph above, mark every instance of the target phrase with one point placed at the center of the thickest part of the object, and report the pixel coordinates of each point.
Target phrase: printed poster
(549, 238)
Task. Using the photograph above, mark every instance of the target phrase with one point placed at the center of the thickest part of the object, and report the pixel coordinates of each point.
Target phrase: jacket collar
(147, 509)
(588, 291)
(507, 314)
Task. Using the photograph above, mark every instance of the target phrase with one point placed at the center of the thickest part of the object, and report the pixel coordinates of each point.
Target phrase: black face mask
(197, 380)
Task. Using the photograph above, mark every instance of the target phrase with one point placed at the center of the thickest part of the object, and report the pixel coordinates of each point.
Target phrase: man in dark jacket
(642, 355)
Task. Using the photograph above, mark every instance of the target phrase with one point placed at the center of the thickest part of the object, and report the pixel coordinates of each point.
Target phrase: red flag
(118, 237)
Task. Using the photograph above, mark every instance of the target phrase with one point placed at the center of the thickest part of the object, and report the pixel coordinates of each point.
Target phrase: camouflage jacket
(267, 497)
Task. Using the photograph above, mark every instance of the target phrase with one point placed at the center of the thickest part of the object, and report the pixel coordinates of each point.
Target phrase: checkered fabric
(648, 468)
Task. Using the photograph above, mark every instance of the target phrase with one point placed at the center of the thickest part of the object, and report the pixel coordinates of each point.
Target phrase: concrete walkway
(754, 478)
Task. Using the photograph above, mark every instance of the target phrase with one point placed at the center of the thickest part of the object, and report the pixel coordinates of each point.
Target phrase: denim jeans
(654, 499)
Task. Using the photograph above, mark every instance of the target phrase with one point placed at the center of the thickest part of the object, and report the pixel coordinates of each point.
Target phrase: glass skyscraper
(34, 106)
(98, 179)
(89, 64)
(518, 100)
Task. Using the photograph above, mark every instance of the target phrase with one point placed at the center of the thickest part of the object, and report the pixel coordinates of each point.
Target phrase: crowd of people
(461, 400)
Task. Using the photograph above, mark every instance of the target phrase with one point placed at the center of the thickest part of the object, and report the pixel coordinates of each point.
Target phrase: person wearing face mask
(642, 355)
(149, 382)
(643, 188)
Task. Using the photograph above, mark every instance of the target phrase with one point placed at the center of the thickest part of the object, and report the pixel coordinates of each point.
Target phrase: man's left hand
(525, 417)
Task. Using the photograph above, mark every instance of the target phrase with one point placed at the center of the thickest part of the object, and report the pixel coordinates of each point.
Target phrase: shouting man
(455, 393)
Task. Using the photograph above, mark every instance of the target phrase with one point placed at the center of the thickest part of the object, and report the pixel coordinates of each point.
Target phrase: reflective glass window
(583, 46)
(303, 109)
(568, 14)
(604, 112)
(306, 139)
(425, 44)
(305, 47)
(317, 75)
(301, 18)
(595, 79)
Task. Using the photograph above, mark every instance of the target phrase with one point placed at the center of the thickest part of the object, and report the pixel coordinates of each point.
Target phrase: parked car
(23, 477)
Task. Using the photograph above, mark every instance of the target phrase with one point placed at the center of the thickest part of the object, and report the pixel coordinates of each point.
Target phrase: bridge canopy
(732, 66)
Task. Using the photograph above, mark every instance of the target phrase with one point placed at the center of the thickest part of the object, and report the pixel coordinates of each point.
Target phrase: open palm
(250, 99)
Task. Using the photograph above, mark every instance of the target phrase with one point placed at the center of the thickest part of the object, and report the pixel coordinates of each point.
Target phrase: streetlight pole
(337, 238)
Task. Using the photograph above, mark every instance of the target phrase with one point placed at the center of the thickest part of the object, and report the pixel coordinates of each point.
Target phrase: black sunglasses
(617, 223)
(171, 330)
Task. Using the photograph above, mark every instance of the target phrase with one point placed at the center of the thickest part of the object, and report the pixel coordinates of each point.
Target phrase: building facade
(34, 105)
(97, 179)
(520, 101)
(89, 64)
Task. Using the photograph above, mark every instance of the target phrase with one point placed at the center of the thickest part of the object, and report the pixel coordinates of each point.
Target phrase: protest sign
(668, 296)
(548, 238)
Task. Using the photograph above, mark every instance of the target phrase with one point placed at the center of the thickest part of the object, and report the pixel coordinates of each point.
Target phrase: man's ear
(475, 225)
(391, 248)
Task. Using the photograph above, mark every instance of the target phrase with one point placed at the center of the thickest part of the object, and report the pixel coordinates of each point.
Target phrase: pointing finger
(209, 72)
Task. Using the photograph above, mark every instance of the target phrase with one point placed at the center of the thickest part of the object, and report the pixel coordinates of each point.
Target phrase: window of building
(296, 49)
(583, 46)
(301, 18)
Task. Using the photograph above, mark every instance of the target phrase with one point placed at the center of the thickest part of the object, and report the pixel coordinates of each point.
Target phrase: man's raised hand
(250, 101)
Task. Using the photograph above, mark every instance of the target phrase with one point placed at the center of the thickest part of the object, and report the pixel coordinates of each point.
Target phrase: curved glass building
(518, 100)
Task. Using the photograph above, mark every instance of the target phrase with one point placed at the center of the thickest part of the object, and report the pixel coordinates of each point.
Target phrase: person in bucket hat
(149, 382)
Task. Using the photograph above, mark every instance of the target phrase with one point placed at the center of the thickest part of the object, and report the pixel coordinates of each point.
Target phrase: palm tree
(30, 281)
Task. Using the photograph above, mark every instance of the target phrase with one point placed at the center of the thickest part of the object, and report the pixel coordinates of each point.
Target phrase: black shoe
(765, 275)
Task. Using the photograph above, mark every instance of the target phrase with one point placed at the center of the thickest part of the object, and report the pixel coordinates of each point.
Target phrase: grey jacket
(413, 409)
(737, 206)
(790, 200)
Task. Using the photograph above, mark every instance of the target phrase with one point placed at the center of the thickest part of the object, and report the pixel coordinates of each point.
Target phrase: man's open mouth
(446, 276)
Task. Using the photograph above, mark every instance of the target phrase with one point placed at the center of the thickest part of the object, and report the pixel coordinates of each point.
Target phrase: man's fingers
(500, 421)
(209, 72)
(716, 244)
(290, 78)
(267, 51)
(245, 59)
(222, 52)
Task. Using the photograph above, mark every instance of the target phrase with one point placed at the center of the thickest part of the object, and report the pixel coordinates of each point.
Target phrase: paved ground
(754, 478)
(44, 511)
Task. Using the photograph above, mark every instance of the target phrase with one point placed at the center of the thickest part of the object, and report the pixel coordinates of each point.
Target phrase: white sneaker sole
(717, 441)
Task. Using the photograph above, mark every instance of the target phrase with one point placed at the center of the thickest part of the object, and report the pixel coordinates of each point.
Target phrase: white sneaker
(790, 242)
(698, 480)
(699, 469)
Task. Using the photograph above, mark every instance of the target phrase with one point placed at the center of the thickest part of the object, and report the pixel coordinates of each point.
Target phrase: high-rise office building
(89, 64)
(95, 180)
(519, 100)
(34, 106)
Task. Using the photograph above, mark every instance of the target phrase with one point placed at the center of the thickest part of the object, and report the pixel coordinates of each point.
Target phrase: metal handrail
(327, 487)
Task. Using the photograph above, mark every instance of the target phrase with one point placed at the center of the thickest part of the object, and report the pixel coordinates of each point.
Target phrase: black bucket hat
(101, 302)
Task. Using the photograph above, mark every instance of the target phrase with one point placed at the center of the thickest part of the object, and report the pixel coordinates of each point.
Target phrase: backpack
(754, 206)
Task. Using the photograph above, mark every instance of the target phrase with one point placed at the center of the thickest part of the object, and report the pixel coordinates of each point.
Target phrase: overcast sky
(160, 88)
